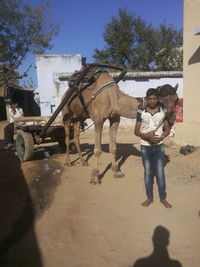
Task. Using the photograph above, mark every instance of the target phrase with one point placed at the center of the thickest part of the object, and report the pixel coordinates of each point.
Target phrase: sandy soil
(53, 217)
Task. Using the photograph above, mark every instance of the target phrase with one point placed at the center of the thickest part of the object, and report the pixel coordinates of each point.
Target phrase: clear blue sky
(82, 22)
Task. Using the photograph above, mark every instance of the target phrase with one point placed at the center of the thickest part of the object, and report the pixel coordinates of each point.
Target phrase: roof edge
(131, 74)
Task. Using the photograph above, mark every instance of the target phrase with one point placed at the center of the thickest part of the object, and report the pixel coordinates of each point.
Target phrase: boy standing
(15, 111)
(152, 127)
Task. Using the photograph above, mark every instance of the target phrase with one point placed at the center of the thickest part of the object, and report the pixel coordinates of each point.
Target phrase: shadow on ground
(123, 152)
(18, 241)
(160, 256)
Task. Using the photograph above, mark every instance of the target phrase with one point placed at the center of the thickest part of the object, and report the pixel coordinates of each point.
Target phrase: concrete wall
(49, 88)
(188, 132)
(138, 88)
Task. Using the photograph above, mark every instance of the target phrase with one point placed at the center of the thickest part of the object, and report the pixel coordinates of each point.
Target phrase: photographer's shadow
(160, 256)
(18, 240)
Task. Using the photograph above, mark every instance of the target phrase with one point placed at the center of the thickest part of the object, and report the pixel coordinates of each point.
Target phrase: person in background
(152, 127)
(19, 109)
(15, 111)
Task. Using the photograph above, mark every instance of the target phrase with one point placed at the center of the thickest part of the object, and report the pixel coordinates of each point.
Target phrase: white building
(50, 89)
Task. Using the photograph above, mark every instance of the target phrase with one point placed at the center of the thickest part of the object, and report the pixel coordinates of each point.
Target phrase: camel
(100, 101)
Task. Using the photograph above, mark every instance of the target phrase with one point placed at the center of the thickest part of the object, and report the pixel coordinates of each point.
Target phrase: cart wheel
(24, 145)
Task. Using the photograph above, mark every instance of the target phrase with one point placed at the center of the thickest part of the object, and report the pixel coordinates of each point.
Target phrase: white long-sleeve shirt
(18, 113)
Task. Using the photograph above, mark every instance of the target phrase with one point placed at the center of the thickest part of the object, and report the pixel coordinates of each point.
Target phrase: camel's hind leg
(114, 123)
(97, 152)
(67, 141)
(77, 142)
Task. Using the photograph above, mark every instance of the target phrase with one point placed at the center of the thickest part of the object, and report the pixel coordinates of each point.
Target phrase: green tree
(135, 44)
(170, 51)
(23, 30)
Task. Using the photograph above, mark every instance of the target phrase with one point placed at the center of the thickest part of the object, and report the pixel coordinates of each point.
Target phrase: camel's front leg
(77, 142)
(114, 123)
(97, 152)
(67, 141)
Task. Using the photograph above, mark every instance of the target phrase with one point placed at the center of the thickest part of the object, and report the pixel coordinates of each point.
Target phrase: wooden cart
(28, 133)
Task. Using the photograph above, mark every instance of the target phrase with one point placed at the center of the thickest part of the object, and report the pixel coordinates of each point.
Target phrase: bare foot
(147, 202)
(165, 203)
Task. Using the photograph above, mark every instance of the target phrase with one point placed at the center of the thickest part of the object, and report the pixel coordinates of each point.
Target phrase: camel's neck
(127, 105)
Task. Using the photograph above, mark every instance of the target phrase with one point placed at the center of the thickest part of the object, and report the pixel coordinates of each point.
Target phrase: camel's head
(169, 99)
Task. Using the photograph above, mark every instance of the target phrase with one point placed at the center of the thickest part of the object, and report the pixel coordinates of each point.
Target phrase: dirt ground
(51, 216)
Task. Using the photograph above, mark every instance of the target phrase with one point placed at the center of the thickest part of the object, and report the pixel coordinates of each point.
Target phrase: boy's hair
(152, 91)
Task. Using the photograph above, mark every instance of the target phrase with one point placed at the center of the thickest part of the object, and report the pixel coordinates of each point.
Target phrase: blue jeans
(153, 159)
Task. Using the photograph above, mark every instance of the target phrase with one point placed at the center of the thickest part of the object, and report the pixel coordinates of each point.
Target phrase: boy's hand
(150, 136)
